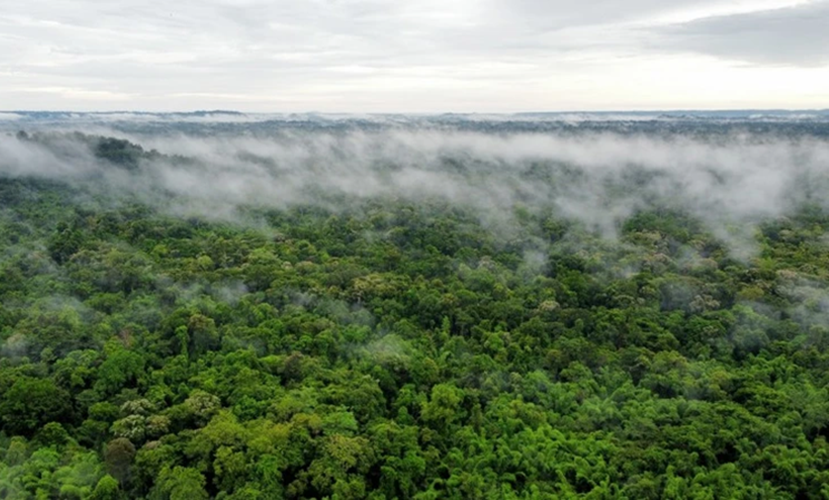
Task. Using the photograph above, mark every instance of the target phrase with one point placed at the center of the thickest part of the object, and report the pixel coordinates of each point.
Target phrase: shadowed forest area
(414, 314)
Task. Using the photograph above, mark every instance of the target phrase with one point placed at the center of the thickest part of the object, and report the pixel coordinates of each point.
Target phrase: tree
(31, 402)
(107, 489)
(118, 455)
(443, 407)
(183, 483)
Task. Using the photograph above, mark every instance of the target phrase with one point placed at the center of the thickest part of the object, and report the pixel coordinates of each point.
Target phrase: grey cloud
(792, 36)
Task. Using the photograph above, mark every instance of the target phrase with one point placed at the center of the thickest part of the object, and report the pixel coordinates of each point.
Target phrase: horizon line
(425, 113)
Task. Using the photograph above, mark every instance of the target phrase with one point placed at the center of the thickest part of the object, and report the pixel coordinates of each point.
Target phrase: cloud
(349, 55)
(557, 14)
(790, 36)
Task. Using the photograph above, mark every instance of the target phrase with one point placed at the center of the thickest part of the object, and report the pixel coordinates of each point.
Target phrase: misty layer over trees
(426, 309)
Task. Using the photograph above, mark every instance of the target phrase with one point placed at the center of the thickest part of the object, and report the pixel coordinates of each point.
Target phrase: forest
(414, 314)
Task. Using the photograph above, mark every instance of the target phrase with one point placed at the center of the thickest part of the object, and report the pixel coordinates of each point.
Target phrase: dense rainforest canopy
(392, 347)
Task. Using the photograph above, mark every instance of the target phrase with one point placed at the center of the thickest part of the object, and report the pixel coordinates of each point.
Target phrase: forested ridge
(388, 348)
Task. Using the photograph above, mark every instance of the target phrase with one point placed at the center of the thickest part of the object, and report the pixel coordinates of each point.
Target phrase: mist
(729, 181)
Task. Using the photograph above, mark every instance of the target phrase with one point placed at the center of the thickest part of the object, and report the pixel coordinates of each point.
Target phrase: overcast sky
(413, 55)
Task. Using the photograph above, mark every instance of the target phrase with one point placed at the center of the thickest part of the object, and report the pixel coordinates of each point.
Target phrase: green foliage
(393, 350)
(107, 489)
(32, 402)
(183, 483)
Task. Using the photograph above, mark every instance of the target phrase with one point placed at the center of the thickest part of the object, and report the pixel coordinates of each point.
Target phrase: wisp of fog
(730, 181)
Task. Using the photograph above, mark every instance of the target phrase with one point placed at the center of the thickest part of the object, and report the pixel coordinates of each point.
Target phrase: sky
(413, 56)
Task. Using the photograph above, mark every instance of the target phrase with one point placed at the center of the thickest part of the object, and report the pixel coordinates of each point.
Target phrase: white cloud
(421, 55)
